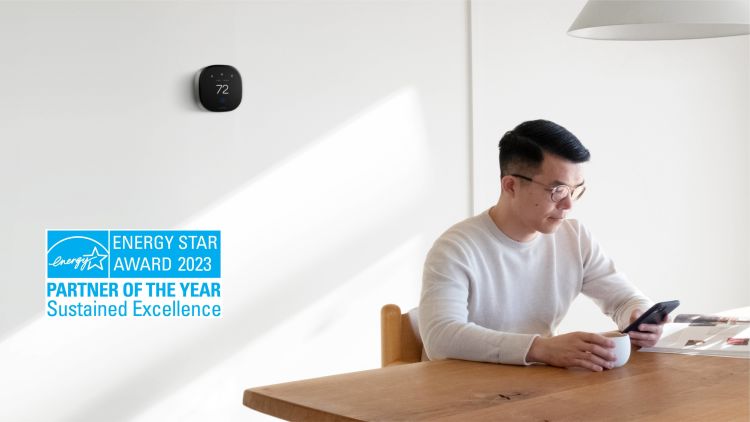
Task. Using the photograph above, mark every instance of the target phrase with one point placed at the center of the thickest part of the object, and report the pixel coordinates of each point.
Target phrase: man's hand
(647, 334)
(583, 350)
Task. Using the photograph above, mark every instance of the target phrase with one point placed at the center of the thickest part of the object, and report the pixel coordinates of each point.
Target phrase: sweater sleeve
(615, 295)
(444, 317)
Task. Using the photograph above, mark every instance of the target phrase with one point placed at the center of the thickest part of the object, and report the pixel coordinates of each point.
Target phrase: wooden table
(651, 386)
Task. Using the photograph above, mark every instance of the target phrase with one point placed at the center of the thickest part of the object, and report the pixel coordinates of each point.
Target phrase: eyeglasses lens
(578, 192)
(561, 192)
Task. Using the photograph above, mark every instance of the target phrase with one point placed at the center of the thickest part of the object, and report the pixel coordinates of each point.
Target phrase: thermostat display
(218, 87)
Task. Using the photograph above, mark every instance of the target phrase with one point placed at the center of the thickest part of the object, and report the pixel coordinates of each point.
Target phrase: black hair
(523, 148)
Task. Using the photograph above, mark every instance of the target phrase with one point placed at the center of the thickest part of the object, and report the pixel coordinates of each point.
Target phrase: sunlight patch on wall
(338, 333)
(314, 207)
(356, 176)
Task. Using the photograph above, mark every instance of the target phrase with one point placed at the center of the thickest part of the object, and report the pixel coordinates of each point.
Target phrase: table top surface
(651, 386)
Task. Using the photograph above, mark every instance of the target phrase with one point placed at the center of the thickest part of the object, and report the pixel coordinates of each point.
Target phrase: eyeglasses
(559, 192)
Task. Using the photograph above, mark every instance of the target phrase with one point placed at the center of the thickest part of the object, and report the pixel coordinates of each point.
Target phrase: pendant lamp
(661, 19)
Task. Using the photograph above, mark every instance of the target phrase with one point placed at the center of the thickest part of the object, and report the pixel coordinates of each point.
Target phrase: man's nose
(565, 203)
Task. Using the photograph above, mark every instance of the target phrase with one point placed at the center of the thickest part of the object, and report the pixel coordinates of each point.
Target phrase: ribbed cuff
(515, 347)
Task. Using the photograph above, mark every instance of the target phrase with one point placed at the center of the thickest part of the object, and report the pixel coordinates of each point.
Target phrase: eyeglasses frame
(551, 189)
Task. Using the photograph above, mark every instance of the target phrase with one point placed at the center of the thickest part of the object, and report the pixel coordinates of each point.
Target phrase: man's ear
(508, 185)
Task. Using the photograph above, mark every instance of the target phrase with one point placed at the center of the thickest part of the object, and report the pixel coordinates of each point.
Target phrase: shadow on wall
(282, 254)
(322, 170)
(127, 148)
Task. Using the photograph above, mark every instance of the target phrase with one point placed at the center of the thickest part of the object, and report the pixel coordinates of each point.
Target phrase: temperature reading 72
(223, 89)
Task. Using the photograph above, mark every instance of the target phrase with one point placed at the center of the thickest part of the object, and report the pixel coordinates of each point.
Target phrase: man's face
(535, 208)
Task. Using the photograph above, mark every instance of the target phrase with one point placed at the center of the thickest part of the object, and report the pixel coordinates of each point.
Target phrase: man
(496, 286)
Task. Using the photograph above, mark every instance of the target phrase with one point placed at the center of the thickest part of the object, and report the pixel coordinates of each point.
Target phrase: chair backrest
(399, 336)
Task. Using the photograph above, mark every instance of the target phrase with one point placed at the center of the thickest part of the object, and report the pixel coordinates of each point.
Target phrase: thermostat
(218, 87)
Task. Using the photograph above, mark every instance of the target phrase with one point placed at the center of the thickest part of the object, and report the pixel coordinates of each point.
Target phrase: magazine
(708, 335)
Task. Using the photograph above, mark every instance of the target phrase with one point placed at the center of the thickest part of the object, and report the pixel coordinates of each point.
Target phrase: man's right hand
(583, 350)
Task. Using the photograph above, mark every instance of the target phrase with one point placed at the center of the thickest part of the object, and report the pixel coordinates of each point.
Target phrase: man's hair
(522, 149)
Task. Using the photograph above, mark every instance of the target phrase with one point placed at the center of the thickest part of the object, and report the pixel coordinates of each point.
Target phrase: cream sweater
(485, 297)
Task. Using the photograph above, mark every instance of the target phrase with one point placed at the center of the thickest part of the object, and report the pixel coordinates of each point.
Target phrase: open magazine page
(726, 334)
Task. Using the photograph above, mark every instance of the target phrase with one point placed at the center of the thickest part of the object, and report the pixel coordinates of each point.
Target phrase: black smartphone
(654, 315)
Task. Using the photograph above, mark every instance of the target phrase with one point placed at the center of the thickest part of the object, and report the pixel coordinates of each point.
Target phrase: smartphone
(654, 315)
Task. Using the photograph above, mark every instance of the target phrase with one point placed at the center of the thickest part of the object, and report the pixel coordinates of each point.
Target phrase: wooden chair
(399, 337)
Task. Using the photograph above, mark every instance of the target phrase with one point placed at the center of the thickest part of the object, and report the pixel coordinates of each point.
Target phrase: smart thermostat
(218, 87)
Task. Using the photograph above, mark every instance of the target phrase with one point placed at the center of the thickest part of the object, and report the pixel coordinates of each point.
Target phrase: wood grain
(651, 386)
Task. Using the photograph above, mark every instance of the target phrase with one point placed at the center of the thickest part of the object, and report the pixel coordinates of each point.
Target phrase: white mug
(622, 347)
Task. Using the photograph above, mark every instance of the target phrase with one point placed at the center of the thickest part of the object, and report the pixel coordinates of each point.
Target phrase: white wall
(348, 156)
(667, 125)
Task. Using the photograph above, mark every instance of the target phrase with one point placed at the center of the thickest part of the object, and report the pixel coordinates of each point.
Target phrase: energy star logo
(133, 273)
(77, 254)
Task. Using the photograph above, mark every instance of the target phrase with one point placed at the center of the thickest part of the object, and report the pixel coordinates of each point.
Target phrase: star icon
(92, 257)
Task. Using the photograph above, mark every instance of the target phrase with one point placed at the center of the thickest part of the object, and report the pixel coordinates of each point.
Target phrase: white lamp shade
(661, 19)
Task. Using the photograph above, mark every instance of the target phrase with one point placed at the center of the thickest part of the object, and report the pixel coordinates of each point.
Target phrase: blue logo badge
(77, 254)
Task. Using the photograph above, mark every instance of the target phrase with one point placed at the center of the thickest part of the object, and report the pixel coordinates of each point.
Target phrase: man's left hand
(647, 334)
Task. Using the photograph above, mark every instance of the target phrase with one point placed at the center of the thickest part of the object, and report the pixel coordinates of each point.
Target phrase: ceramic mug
(622, 347)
